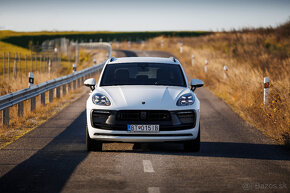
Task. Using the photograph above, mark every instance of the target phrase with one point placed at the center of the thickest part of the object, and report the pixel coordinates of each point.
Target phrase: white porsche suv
(143, 99)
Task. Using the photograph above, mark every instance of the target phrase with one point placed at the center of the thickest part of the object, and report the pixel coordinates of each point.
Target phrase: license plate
(143, 128)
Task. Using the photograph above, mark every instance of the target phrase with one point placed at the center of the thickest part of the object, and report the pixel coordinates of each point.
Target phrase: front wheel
(193, 145)
(92, 145)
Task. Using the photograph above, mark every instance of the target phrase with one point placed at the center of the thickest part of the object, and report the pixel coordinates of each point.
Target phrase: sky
(137, 15)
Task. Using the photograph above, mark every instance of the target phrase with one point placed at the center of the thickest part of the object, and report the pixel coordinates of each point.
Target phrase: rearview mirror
(90, 83)
(194, 83)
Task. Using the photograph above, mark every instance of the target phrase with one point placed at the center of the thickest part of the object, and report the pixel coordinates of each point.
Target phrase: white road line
(148, 166)
(153, 190)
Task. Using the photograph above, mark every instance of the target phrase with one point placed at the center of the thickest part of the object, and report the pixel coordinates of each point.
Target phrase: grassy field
(250, 56)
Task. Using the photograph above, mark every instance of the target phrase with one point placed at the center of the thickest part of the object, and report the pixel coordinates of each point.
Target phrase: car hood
(133, 97)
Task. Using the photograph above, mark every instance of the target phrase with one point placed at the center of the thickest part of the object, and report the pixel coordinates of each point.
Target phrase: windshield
(143, 74)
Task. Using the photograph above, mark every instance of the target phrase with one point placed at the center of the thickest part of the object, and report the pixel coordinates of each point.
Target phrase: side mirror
(90, 83)
(194, 83)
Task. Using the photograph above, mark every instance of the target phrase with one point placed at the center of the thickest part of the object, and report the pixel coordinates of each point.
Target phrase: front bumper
(114, 130)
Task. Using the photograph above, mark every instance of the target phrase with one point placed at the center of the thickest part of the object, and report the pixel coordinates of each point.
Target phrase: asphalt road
(234, 157)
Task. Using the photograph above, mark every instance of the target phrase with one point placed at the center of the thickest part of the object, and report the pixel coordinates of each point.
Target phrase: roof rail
(172, 58)
(113, 59)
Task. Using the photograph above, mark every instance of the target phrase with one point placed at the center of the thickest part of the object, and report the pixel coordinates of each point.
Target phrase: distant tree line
(25, 41)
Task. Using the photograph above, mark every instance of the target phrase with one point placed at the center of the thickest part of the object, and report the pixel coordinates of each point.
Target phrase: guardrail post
(64, 90)
(32, 103)
(42, 98)
(74, 84)
(20, 107)
(79, 82)
(69, 86)
(5, 117)
(50, 95)
(57, 92)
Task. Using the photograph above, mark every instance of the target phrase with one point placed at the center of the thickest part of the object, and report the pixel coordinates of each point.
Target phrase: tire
(193, 145)
(92, 145)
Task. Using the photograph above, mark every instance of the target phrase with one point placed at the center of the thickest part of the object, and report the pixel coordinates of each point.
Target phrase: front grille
(119, 120)
(143, 116)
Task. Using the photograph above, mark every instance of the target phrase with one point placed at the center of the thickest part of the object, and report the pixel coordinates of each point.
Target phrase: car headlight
(186, 99)
(100, 99)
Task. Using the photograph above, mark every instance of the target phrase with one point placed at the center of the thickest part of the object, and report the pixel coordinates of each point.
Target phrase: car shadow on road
(215, 149)
(49, 169)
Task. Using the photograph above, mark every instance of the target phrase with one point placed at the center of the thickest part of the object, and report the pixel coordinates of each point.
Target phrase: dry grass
(250, 55)
(20, 126)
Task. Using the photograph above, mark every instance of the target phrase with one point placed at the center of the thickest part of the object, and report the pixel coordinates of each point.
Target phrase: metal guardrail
(18, 97)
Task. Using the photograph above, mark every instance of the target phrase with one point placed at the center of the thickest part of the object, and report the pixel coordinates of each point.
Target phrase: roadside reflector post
(181, 48)
(266, 90)
(226, 68)
(143, 44)
(162, 43)
(30, 79)
(205, 67)
(192, 60)
(74, 68)
(95, 61)
(129, 44)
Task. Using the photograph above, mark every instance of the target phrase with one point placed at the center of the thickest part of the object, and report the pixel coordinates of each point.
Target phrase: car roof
(170, 60)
